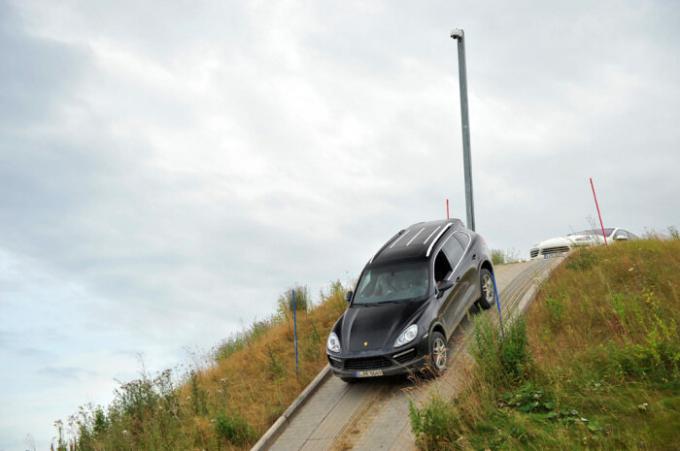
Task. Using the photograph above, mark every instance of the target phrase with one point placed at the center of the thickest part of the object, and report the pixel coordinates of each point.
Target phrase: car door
(442, 271)
(468, 269)
(461, 275)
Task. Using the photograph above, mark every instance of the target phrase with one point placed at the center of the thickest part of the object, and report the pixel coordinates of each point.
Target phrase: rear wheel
(439, 353)
(488, 297)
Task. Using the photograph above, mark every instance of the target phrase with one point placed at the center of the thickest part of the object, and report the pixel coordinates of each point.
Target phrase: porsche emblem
(365, 344)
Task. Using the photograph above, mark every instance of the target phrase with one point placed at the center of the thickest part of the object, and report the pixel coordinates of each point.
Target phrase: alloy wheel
(487, 286)
(439, 353)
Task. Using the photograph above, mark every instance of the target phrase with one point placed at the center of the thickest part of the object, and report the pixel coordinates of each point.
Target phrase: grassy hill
(594, 364)
(225, 406)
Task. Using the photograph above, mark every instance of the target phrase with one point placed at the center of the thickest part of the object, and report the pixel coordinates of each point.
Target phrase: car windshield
(594, 232)
(392, 283)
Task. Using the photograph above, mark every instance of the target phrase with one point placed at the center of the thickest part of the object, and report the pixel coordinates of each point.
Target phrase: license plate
(369, 373)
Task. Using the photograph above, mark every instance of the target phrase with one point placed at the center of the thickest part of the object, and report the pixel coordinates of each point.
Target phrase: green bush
(501, 358)
(501, 257)
(497, 257)
(234, 429)
(302, 301)
(435, 425)
(514, 351)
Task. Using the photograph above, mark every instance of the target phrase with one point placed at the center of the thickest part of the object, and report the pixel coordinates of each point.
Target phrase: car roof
(416, 241)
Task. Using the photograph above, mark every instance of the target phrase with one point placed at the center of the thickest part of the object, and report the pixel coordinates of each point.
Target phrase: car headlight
(407, 335)
(333, 343)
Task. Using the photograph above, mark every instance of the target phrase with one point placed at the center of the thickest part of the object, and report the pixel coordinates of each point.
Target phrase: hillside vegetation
(227, 405)
(594, 364)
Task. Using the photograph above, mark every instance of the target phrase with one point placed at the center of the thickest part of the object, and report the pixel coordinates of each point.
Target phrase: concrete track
(373, 414)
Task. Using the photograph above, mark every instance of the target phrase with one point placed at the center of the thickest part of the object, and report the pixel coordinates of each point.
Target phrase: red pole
(447, 208)
(592, 186)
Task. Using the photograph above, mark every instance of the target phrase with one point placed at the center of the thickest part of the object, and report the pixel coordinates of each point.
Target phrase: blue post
(297, 363)
(498, 302)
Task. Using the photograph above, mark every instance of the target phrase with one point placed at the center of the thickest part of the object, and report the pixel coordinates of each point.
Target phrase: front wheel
(488, 297)
(349, 380)
(438, 353)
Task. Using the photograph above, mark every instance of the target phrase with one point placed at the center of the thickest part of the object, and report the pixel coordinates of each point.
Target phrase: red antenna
(597, 206)
(447, 208)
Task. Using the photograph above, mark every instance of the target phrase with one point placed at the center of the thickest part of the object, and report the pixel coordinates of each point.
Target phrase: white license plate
(369, 373)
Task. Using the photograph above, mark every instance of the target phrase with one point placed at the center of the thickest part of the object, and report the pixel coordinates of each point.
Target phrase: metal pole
(599, 215)
(459, 35)
(498, 304)
(297, 363)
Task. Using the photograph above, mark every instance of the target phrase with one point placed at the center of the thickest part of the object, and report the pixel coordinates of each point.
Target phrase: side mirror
(443, 286)
(348, 296)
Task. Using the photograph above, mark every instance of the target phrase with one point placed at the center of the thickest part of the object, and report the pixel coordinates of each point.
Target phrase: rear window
(392, 283)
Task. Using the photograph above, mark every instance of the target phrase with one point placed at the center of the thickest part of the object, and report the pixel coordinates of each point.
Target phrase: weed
(501, 257)
(501, 358)
(555, 308)
(300, 295)
(596, 364)
(222, 406)
(275, 367)
(582, 260)
(198, 395)
(233, 429)
(435, 424)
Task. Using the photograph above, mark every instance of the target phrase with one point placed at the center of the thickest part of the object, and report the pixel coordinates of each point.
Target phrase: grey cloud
(174, 178)
(34, 74)
(64, 372)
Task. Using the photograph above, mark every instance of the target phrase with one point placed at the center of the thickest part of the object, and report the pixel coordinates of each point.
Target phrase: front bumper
(377, 363)
(548, 252)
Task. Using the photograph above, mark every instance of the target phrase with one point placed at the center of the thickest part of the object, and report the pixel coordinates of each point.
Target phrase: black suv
(409, 299)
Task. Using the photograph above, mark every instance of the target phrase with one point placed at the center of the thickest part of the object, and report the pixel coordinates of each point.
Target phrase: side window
(365, 285)
(442, 267)
(454, 249)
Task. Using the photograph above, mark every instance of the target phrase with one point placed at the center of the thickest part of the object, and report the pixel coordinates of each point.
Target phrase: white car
(561, 245)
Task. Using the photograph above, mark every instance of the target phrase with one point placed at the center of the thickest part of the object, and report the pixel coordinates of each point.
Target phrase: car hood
(569, 240)
(554, 242)
(366, 328)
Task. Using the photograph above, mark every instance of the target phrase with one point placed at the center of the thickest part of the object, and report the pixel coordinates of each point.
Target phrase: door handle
(474, 256)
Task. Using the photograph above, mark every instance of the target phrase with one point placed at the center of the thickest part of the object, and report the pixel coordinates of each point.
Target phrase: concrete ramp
(373, 414)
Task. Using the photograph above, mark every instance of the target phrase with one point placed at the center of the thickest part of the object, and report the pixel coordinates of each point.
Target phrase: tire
(439, 353)
(486, 285)
(349, 380)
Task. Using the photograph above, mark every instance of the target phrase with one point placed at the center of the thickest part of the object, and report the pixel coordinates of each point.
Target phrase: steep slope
(595, 364)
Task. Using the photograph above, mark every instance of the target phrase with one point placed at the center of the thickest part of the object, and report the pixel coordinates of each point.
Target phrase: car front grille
(533, 253)
(367, 363)
(555, 250)
(372, 363)
(336, 363)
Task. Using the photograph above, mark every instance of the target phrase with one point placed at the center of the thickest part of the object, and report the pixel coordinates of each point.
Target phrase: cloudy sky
(169, 168)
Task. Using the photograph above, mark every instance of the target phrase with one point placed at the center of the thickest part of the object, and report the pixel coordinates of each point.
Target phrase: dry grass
(260, 379)
(227, 405)
(602, 369)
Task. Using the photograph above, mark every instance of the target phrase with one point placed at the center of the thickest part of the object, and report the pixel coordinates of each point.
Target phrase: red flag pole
(597, 206)
(447, 208)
